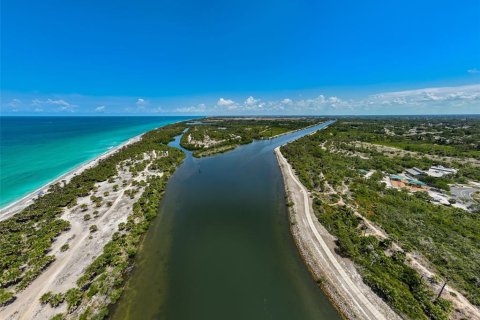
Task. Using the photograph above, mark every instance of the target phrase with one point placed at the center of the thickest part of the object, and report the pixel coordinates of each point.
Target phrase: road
(463, 192)
(355, 297)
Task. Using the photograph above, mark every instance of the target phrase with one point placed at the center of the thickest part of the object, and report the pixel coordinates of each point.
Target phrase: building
(415, 171)
(398, 181)
(416, 183)
(440, 171)
(397, 177)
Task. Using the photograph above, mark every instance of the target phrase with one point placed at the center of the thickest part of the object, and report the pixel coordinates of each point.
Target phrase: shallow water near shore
(36, 150)
(221, 247)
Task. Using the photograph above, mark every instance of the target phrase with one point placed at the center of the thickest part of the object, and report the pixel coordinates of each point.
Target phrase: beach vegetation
(27, 237)
(6, 297)
(45, 298)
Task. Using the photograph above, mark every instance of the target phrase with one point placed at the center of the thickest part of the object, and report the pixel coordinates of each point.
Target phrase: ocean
(36, 150)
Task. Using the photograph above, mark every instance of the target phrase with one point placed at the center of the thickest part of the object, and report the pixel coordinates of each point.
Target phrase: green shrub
(6, 297)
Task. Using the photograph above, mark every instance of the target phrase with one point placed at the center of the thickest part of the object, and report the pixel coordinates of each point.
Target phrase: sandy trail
(360, 301)
(463, 309)
(27, 304)
(84, 245)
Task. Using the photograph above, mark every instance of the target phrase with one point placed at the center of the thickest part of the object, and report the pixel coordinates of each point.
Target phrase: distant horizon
(240, 57)
(245, 115)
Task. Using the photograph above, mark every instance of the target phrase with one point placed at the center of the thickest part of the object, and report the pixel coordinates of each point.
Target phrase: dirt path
(27, 305)
(463, 309)
(353, 296)
(84, 245)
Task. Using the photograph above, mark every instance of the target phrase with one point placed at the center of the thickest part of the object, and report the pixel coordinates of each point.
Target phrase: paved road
(366, 308)
(463, 192)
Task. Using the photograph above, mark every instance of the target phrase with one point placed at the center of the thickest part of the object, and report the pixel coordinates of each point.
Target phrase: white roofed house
(440, 171)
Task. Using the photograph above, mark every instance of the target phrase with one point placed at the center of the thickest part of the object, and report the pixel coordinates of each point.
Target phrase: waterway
(221, 247)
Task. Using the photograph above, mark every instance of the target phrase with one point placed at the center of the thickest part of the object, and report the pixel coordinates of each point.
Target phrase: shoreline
(84, 245)
(300, 129)
(20, 204)
(336, 276)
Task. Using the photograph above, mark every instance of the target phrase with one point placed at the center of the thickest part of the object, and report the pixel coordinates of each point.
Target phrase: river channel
(220, 247)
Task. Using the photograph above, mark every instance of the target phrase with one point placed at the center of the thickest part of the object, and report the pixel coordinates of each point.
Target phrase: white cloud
(473, 71)
(251, 101)
(427, 101)
(459, 94)
(141, 103)
(440, 100)
(225, 102)
(59, 104)
(14, 105)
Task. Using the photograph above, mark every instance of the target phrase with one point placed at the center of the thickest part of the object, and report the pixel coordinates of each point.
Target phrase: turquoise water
(36, 150)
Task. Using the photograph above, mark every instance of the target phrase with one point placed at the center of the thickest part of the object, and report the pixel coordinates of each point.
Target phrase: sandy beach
(27, 200)
(83, 244)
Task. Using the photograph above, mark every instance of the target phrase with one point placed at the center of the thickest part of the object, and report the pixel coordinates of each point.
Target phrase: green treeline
(230, 133)
(448, 237)
(453, 137)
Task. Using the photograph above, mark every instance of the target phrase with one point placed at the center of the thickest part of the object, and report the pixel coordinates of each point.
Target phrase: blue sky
(240, 57)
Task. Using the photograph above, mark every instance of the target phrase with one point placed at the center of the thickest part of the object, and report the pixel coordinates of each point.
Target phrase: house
(397, 177)
(443, 169)
(416, 183)
(398, 181)
(440, 171)
(415, 171)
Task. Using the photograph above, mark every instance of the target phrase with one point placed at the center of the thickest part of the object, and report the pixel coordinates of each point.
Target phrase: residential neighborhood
(459, 196)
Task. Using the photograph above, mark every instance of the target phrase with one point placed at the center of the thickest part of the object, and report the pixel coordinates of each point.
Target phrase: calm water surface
(221, 248)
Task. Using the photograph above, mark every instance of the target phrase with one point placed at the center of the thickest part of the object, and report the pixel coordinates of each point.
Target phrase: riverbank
(337, 276)
(107, 219)
(220, 247)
